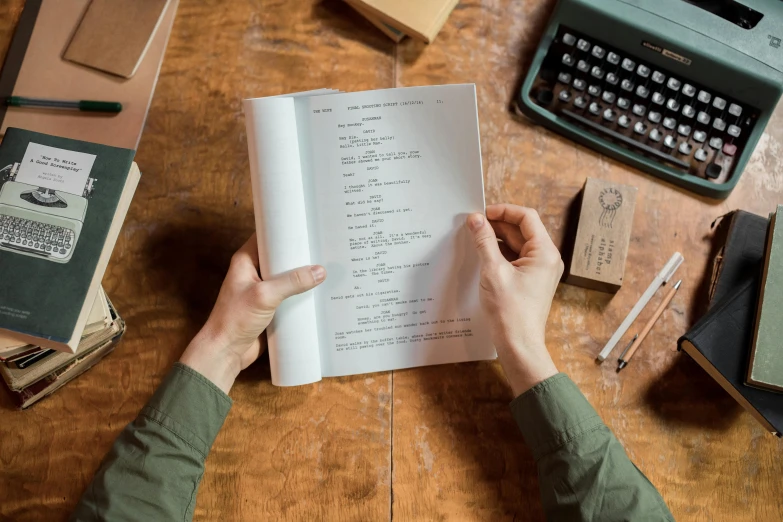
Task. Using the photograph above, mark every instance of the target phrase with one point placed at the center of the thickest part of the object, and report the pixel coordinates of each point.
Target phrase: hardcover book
(62, 203)
(45, 377)
(98, 319)
(26, 397)
(21, 374)
(765, 369)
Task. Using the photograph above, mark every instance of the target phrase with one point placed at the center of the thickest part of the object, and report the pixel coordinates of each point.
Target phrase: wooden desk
(426, 444)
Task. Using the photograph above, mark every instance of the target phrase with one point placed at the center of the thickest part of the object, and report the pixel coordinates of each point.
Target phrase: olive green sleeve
(583, 470)
(153, 470)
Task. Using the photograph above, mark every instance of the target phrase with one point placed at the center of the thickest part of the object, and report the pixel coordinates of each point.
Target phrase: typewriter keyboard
(642, 107)
(35, 237)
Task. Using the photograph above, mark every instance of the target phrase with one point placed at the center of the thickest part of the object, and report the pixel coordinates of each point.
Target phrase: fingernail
(319, 273)
(475, 222)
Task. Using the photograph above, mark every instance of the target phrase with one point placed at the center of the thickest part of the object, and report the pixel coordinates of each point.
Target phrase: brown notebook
(44, 74)
(114, 34)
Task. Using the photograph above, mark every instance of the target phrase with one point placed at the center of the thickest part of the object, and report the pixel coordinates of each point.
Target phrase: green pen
(79, 105)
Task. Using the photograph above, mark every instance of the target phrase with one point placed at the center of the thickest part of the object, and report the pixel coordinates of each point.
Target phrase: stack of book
(738, 341)
(62, 204)
(420, 19)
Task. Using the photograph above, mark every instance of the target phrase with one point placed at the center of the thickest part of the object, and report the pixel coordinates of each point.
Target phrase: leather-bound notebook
(113, 35)
(720, 342)
(742, 254)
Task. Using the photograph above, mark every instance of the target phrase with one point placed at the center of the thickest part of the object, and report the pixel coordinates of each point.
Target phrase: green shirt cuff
(190, 406)
(553, 413)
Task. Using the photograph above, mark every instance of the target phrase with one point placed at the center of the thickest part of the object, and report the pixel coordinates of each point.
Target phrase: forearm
(584, 472)
(525, 364)
(208, 355)
(153, 469)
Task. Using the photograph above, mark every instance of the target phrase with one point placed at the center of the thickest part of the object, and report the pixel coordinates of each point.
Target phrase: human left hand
(229, 340)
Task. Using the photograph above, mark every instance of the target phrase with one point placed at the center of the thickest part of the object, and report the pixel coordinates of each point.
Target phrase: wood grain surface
(425, 444)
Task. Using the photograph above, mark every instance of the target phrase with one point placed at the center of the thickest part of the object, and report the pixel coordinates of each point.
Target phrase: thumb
(484, 238)
(290, 283)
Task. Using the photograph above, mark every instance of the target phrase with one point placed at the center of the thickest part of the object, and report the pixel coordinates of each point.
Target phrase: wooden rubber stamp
(603, 234)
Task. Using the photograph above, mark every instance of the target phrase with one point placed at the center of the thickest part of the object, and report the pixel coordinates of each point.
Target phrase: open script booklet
(375, 186)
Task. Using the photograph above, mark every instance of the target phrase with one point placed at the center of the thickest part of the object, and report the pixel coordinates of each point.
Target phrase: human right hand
(518, 281)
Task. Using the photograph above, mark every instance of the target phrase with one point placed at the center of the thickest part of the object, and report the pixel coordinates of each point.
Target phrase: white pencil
(663, 276)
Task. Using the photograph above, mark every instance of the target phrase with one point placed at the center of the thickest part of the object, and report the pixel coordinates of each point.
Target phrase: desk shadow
(566, 246)
(539, 17)
(189, 264)
(259, 370)
(348, 23)
(686, 395)
(471, 404)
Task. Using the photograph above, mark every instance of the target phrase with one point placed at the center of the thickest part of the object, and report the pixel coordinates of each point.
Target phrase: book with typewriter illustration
(41, 221)
(62, 203)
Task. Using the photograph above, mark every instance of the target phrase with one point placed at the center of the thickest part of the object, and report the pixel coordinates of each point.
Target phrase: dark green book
(62, 203)
(765, 369)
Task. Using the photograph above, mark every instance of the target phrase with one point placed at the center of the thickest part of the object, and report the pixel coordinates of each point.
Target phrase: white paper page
(281, 226)
(57, 169)
(395, 173)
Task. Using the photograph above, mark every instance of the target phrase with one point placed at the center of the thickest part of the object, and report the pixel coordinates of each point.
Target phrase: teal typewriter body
(681, 89)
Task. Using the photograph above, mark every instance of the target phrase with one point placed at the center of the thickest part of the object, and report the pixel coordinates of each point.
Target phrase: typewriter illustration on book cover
(43, 202)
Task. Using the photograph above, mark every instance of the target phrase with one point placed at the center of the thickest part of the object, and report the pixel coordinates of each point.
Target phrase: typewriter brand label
(667, 53)
(57, 169)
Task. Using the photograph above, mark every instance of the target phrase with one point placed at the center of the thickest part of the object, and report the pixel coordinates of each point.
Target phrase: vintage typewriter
(40, 222)
(681, 89)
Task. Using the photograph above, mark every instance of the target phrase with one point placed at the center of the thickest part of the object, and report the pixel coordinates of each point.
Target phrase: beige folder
(45, 74)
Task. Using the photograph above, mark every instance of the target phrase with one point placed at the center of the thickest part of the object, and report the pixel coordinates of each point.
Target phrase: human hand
(229, 340)
(518, 281)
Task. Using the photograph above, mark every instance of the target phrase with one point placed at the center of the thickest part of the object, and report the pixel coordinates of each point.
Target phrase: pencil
(626, 358)
(79, 105)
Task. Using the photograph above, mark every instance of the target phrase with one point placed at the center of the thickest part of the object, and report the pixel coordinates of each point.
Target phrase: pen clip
(627, 347)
